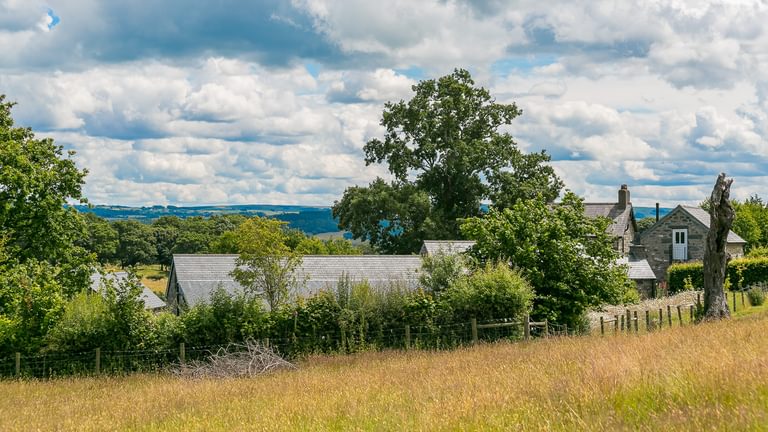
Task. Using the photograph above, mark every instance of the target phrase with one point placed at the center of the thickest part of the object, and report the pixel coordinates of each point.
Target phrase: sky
(196, 102)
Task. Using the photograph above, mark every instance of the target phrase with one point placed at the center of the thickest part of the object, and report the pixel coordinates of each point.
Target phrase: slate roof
(199, 275)
(638, 268)
(702, 216)
(431, 247)
(620, 217)
(150, 299)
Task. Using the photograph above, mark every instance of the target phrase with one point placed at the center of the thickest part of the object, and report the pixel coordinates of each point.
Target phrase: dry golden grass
(705, 377)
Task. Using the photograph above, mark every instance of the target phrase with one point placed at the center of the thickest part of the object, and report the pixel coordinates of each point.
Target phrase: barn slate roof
(198, 276)
(702, 216)
(619, 217)
(638, 269)
(431, 247)
(150, 299)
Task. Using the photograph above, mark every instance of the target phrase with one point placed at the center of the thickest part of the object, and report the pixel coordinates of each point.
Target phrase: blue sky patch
(55, 20)
(522, 63)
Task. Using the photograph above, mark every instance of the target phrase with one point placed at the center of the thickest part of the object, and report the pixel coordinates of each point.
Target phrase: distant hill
(643, 212)
(311, 220)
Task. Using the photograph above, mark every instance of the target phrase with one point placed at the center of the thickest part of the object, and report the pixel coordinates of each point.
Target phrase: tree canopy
(567, 257)
(446, 154)
(36, 181)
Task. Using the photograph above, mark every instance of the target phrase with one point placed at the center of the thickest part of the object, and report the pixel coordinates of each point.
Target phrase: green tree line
(129, 242)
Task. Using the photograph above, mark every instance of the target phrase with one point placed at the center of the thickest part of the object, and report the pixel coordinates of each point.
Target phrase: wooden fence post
(18, 364)
(407, 336)
(661, 318)
(669, 315)
(742, 298)
(566, 329)
(266, 342)
(647, 320)
(602, 326)
(629, 321)
(615, 325)
(527, 327)
(622, 323)
(474, 330)
(692, 318)
(636, 323)
(680, 315)
(734, 301)
(698, 299)
(98, 361)
(182, 353)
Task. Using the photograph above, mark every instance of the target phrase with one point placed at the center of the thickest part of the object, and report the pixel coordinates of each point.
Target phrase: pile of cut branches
(235, 360)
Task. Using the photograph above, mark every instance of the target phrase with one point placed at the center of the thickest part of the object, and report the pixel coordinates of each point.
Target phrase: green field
(703, 377)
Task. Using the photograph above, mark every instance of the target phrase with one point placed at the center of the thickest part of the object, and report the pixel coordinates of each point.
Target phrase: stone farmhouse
(681, 236)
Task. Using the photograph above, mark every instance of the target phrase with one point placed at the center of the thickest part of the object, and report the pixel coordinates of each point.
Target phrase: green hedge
(677, 273)
(742, 273)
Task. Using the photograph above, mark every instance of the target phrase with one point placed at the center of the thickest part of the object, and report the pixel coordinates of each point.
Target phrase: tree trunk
(721, 215)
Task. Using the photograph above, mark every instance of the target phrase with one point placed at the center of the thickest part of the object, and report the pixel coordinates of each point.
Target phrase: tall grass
(704, 377)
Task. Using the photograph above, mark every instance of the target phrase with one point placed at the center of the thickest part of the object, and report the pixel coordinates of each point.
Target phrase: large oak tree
(447, 154)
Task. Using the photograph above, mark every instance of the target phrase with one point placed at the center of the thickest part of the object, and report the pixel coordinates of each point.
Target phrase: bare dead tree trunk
(721, 215)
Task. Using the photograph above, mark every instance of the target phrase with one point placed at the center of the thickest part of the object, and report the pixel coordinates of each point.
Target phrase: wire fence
(426, 337)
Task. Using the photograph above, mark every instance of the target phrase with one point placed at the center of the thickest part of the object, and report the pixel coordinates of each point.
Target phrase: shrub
(741, 272)
(756, 296)
(83, 326)
(441, 270)
(631, 296)
(493, 292)
(225, 318)
(758, 252)
(683, 276)
(745, 272)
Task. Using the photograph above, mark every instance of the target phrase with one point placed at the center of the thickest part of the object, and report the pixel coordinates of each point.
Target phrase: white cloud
(661, 95)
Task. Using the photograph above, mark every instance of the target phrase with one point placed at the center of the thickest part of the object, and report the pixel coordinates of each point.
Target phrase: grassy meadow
(704, 377)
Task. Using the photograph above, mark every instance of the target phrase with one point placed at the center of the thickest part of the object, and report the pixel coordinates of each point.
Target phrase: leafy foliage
(645, 223)
(493, 292)
(567, 257)
(266, 265)
(36, 181)
(113, 319)
(751, 221)
(445, 151)
(756, 296)
(740, 273)
(441, 270)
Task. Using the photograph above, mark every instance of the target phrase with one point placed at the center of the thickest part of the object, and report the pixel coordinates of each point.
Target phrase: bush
(493, 292)
(744, 272)
(83, 326)
(756, 296)
(758, 252)
(631, 296)
(741, 272)
(683, 276)
(441, 270)
(226, 318)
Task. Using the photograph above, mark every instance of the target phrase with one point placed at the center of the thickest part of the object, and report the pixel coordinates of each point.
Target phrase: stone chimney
(624, 197)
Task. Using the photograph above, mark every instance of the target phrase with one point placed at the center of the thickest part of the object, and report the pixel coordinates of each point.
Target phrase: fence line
(445, 336)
